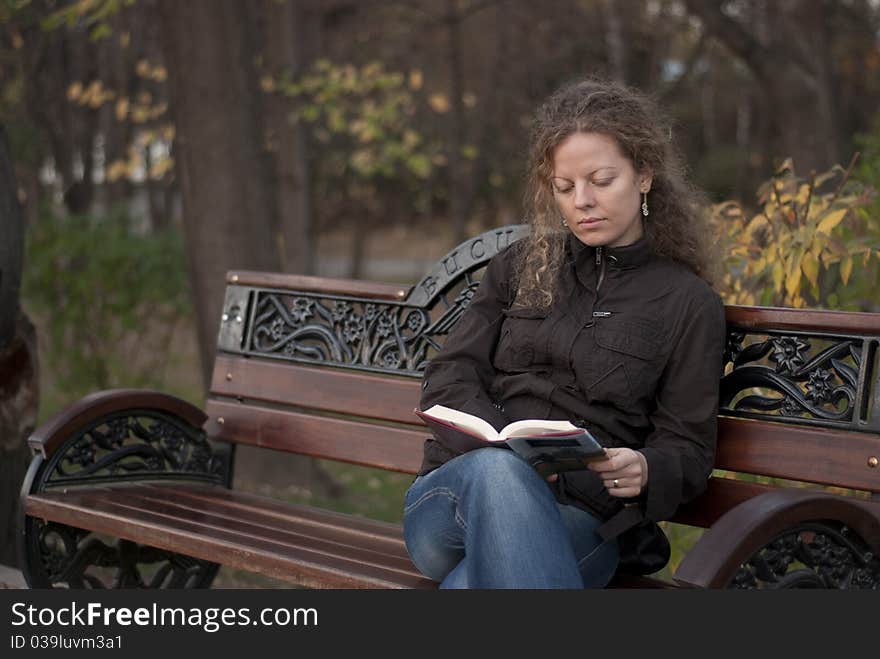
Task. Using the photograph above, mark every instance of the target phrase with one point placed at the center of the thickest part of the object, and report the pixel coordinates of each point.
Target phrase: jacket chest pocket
(629, 360)
(519, 345)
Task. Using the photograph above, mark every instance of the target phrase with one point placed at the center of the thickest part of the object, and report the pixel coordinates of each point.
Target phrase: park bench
(132, 488)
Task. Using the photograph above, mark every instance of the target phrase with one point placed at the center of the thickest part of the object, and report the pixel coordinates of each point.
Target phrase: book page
(464, 420)
(532, 427)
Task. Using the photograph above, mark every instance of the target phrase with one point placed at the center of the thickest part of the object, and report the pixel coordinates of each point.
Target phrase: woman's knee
(432, 530)
(495, 468)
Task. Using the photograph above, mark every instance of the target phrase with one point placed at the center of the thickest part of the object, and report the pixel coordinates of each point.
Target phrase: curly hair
(676, 228)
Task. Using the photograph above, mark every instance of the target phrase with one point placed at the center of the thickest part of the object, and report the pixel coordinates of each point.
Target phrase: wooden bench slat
(333, 540)
(284, 383)
(366, 444)
(357, 569)
(248, 503)
(804, 320)
(817, 455)
(325, 285)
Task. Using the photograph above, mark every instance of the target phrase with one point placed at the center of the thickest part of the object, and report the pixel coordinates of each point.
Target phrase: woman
(603, 316)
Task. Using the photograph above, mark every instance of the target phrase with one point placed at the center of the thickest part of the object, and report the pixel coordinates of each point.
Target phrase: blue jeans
(487, 519)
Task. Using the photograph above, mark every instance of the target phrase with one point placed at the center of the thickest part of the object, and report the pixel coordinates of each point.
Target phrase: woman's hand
(624, 471)
(629, 468)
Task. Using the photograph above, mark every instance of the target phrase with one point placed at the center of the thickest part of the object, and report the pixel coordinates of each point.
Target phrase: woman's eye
(604, 183)
(563, 190)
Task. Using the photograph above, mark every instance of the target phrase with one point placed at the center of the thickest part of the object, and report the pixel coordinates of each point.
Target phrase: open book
(549, 446)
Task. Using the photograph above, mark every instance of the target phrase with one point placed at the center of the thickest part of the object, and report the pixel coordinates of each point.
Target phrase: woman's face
(598, 190)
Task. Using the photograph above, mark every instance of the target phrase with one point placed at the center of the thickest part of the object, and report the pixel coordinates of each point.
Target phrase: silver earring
(564, 223)
(645, 204)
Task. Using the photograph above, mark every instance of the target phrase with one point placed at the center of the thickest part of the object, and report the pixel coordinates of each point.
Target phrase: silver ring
(615, 484)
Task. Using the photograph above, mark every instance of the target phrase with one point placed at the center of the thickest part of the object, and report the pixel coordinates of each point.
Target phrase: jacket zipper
(600, 266)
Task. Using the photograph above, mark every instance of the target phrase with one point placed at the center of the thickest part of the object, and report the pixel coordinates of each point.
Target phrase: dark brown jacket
(631, 349)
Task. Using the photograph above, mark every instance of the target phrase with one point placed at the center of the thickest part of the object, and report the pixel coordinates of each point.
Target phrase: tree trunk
(614, 40)
(19, 392)
(229, 209)
(786, 77)
(286, 53)
(458, 194)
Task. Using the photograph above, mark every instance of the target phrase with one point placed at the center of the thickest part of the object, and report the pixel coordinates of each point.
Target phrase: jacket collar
(624, 257)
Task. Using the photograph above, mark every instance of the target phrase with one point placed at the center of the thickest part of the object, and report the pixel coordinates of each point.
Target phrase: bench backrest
(331, 368)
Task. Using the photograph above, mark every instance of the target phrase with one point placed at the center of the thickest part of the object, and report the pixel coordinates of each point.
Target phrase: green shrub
(108, 299)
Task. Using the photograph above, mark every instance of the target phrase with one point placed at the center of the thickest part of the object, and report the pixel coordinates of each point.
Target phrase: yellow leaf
(778, 275)
(439, 103)
(415, 79)
(267, 84)
(116, 170)
(74, 91)
(160, 167)
(810, 266)
(469, 99)
(757, 222)
(846, 266)
(831, 220)
(143, 68)
(793, 282)
(793, 276)
(803, 194)
(96, 101)
(121, 108)
(160, 74)
(411, 138)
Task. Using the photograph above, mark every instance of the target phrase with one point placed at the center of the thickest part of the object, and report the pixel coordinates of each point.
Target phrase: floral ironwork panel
(811, 556)
(354, 332)
(75, 558)
(813, 378)
(136, 444)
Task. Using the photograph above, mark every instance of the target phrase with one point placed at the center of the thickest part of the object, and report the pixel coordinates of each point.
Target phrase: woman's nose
(584, 197)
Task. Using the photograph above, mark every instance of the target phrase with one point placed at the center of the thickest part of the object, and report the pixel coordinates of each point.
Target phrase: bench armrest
(742, 532)
(49, 436)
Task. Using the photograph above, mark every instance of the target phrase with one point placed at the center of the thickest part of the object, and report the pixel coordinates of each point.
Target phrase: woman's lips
(589, 221)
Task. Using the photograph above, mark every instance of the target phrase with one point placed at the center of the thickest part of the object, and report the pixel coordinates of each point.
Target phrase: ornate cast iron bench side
(330, 368)
(115, 437)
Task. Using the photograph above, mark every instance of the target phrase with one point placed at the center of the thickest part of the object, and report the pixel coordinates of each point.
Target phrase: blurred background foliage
(110, 301)
(374, 135)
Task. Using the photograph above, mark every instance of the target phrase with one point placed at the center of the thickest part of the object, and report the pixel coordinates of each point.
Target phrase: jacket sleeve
(680, 452)
(461, 373)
